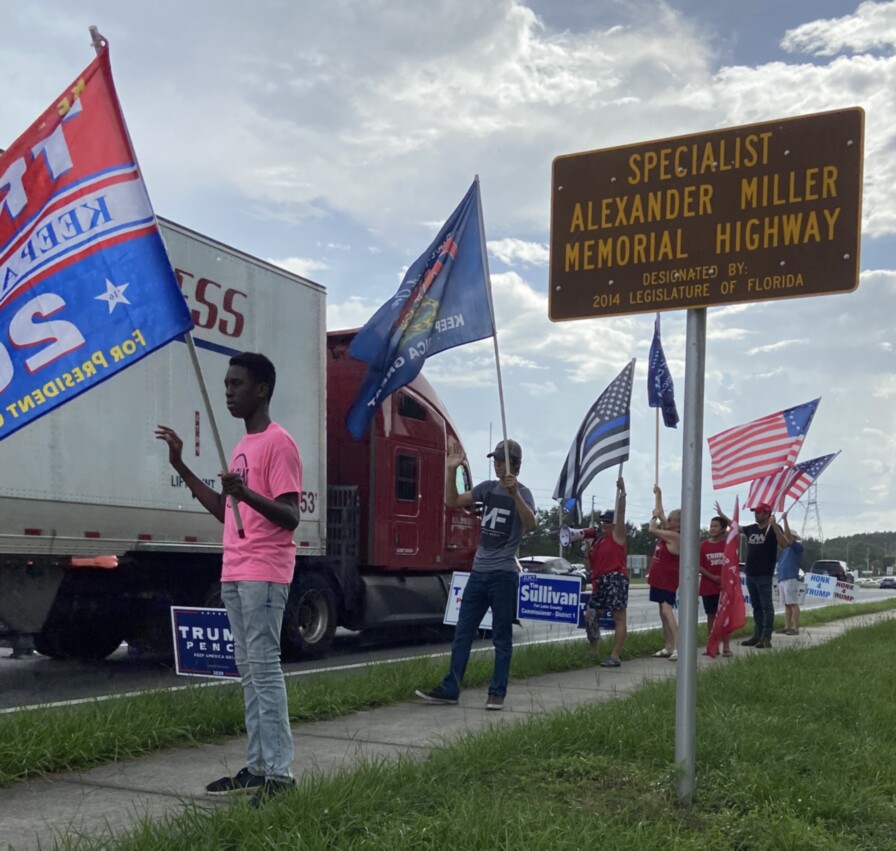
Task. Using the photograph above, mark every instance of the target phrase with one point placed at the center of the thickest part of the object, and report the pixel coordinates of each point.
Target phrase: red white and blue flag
(86, 288)
(790, 482)
(760, 447)
(443, 301)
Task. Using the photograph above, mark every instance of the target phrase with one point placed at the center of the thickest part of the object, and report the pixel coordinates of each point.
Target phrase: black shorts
(710, 603)
(661, 595)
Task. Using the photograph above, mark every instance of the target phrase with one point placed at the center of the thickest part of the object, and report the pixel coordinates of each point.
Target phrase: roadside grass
(793, 752)
(51, 740)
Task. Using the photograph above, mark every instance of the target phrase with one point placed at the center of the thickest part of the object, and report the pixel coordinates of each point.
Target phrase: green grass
(794, 751)
(46, 741)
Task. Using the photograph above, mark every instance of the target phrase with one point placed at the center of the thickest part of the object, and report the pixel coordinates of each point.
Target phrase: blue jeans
(760, 590)
(255, 610)
(497, 590)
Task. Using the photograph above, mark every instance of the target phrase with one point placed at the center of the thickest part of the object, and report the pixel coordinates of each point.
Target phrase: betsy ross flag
(86, 288)
(601, 441)
(732, 612)
(660, 389)
(443, 301)
(790, 482)
(760, 447)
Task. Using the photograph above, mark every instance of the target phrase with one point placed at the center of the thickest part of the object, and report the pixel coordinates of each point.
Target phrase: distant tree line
(872, 551)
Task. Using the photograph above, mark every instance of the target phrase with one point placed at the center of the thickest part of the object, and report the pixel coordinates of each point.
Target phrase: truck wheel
(309, 621)
(88, 641)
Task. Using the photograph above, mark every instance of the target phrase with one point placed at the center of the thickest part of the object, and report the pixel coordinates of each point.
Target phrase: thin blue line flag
(601, 441)
(660, 390)
(443, 301)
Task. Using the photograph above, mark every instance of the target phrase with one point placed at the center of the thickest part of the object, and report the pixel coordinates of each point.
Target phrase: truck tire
(309, 621)
(87, 641)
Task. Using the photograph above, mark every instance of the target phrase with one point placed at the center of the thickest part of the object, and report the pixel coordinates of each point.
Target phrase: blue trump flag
(86, 288)
(660, 390)
(443, 301)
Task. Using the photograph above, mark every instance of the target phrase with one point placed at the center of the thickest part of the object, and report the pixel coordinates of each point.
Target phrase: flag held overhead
(789, 482)
(443, 301)
(601, 441)
(761, 447)
(86, 288)
(660, 389)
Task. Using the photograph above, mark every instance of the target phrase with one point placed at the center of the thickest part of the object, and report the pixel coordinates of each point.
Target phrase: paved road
(39, 680)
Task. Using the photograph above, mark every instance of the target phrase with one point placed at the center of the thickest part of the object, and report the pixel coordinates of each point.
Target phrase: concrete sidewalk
(110, 798)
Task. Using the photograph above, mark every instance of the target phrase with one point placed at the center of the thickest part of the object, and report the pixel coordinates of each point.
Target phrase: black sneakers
(750, 642)
(437, 695)
(244, 781)
(495, 701)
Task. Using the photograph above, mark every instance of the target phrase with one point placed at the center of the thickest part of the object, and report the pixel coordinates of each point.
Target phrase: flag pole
(616, 503)
(222, 458)
(491, 307)
(656, 450)
(99, 43)
(97, 39)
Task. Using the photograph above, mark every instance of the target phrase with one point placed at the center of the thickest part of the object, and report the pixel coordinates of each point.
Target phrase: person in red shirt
(609, 578)
(712, 560)
(662, 576)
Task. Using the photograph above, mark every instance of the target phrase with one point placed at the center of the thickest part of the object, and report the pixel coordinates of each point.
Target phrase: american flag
(760, 447)
(601, 441)
(791, 481)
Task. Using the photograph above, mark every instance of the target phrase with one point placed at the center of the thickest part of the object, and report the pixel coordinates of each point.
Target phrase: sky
(334, 138)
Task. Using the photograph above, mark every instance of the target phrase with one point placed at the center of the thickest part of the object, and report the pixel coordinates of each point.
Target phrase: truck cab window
(406, 478)
(463, 481)
(410, 407)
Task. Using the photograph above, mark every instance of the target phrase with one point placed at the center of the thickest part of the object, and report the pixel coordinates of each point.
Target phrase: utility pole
(812, 516)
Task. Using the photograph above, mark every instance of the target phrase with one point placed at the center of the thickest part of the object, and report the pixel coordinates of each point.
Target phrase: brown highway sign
(751, 213)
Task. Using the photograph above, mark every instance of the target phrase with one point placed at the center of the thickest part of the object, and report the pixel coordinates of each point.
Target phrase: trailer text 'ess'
(376, 543)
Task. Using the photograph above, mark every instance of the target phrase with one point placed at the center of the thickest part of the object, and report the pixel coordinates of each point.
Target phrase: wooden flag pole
(191, 348)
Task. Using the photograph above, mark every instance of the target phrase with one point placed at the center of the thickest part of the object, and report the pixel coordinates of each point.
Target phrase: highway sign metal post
(749, 213)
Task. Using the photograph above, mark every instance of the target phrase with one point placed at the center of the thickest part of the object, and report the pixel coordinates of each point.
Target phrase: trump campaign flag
(732, 612)
(660, 389)
(86, 288)
(760, 447)
(601, 441)
(443, 301)
(791, 481)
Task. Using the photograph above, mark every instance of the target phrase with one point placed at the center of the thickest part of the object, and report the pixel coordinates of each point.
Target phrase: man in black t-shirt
(763, 539)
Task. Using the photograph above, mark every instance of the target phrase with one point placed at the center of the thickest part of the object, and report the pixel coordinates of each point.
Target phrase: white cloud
(871, 27)
(306, 267)
(349, 123)
(511, 251)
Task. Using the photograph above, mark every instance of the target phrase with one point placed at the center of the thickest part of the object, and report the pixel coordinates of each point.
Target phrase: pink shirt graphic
(270, 464)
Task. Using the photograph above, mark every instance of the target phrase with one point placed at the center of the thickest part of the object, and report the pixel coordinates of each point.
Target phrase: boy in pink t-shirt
(265, 478)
